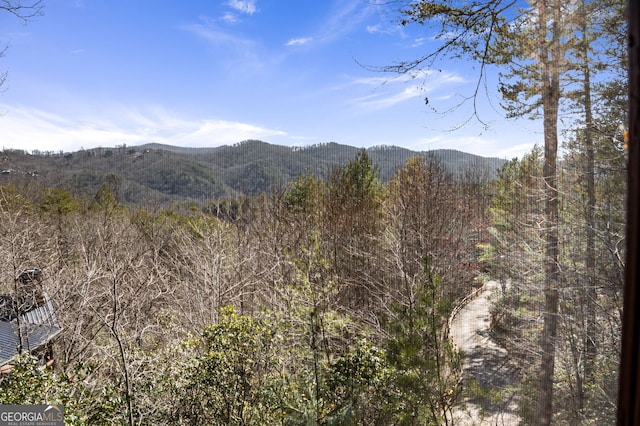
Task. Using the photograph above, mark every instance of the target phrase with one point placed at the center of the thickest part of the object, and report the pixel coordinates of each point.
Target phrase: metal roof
(37, 327)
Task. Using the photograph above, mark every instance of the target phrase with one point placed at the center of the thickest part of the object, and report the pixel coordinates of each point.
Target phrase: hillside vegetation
(323, 303)
(160, 175)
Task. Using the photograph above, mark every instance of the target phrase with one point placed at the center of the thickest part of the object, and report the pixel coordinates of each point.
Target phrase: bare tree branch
(24, 10)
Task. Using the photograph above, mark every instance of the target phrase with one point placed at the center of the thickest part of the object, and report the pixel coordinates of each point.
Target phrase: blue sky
(94, 73)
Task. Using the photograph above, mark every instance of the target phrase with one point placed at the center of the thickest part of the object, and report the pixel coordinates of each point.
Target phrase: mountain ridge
(163, 174)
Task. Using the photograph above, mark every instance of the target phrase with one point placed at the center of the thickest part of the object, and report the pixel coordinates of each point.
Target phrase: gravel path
(487, 372)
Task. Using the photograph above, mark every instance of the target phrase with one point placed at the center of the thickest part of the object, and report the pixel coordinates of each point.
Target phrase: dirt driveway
(487, 373)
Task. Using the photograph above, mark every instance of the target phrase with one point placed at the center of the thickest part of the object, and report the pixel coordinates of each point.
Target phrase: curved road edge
(486, 366)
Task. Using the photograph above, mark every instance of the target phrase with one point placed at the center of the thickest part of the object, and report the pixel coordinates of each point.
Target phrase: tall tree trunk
(589, 294)
(550, 62)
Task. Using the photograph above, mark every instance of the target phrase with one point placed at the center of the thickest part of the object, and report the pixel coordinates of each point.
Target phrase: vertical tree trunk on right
(550, 71)
(589, 294)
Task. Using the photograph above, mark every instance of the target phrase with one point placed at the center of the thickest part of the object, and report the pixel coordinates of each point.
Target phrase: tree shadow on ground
(489, 378)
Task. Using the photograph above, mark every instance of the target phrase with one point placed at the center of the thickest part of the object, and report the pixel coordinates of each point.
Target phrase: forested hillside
(161, 175)
(258, 284)
(327, 302)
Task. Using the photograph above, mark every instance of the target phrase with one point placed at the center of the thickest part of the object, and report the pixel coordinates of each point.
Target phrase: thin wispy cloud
(238, 60)
(380, 101)
(384, 28)
(240, 52)
(223, 132)
(418, 42)
(420, 77)
(374, 29)
(444, 36)
(387, 92)
(29, 129)
(344, 18)
(230, 18)
(213, 34)
(244, 6)
(298, 41)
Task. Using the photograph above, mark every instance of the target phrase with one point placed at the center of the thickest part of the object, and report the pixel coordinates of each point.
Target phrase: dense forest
(324, 303)
(163, 175)
(326, 299)
(310, 305)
